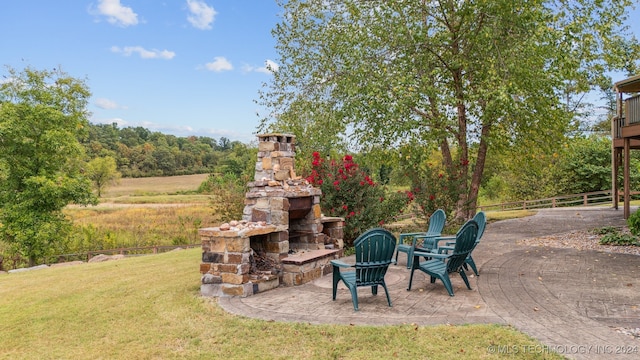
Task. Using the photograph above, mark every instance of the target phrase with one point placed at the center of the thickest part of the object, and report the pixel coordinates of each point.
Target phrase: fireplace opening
(299, 207)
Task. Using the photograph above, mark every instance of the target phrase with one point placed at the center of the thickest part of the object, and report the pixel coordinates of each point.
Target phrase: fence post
(584, 199)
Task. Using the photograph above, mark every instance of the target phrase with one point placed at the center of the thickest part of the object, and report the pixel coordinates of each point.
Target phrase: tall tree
(457, 74)
(41, 116)
(103, 171)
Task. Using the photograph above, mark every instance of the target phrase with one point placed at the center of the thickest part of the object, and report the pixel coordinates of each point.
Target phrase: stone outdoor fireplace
(282, 239)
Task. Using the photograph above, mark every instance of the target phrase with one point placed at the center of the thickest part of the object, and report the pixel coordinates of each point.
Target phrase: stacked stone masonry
(281, 221)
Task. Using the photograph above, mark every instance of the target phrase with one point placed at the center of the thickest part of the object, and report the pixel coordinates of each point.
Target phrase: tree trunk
(476, 178)
(463, 156)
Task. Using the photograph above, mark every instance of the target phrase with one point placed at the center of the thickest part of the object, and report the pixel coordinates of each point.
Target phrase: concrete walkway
(570, 300)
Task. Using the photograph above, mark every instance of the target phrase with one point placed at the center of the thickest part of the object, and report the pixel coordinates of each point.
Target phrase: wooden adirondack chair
(481, 219)
(441, 265)
(436, 224)
(374, 253)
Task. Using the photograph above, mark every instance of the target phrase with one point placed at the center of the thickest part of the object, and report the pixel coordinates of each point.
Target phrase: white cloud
(116, 13)
(144, 53)
(219, 64)
(202, 15)
(171, 129)
(106, 104)
(269, 67)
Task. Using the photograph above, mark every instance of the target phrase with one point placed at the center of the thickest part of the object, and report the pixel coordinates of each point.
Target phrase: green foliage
(102, 172)
(613, 235)
(350, 193)
(530, 174)
(605, 230)
(618, 239)
(585, 166)
(466, 77)
(634, 223)
(42, 114)
(579, 165)
(141, 153)
(239, 160)
(227, 194)
(432, 186)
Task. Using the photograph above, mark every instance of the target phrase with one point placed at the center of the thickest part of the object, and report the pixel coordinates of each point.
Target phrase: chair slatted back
(465, 243)
(481, 219)
(436, 223)
(374, 253)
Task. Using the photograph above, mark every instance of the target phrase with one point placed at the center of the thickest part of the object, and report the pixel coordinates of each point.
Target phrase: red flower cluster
(350, 193)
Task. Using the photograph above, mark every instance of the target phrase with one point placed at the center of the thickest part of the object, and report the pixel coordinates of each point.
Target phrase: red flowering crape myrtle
(350, 193)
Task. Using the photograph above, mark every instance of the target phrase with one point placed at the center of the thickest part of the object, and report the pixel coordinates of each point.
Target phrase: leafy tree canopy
(452, 74)
(42, 114)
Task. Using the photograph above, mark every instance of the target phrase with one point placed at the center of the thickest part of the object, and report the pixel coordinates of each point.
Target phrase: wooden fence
(140, 250)
(17, 261)
(585, 199)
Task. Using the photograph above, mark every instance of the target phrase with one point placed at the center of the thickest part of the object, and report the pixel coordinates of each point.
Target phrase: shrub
(605, 230)
(350, 193)
(634, 223)
(434, 185)
(619, 239)
(227, 194)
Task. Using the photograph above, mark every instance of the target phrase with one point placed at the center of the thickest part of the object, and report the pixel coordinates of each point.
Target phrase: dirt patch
(580, 240)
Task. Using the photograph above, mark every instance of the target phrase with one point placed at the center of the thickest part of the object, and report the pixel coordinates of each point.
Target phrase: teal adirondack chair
(441, 265)
(436, 224)
(481, 219)
(374, 253)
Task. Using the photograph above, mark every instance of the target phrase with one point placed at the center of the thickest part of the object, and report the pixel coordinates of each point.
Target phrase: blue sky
(186, 67)
(183, 67)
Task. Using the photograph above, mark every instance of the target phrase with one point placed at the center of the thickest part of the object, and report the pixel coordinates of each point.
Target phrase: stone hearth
(281, 221)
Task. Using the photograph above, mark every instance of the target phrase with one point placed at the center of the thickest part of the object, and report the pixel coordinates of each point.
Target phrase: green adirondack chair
(481, 219)
(436, 224)
(374, 253)
(441, 265)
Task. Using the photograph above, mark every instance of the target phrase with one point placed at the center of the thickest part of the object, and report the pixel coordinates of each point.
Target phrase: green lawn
(149, 308)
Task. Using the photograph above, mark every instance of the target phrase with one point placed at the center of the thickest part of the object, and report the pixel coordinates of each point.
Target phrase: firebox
(282, 239)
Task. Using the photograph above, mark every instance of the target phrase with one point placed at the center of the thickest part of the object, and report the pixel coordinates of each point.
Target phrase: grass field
(149, 308)
(167, 185)
(143, 212)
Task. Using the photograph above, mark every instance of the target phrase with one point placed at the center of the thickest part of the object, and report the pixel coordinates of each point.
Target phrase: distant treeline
(140, 152)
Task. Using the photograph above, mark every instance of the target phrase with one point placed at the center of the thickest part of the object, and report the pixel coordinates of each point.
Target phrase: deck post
(627, 183)
(614, 163)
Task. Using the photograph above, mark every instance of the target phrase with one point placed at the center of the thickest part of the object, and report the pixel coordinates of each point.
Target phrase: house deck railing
(632, 109)
(630, 116)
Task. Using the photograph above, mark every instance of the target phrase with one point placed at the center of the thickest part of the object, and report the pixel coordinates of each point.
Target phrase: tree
(585, 166)
(460, 75)
(102, 172)
(41, 116)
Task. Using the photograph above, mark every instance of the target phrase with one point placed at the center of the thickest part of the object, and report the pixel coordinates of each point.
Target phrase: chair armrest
(403, 235)
(434, 239)
(445, 249)
(424, 253)
(437, 240)
(417, 254)
(411, 235)
(340, 264)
